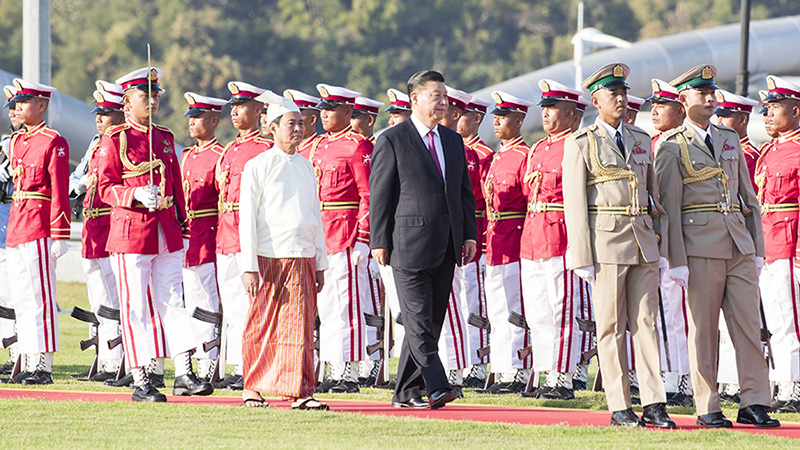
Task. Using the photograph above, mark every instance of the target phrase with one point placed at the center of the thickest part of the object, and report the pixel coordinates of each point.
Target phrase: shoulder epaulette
(50, 132)
(262, 140)
(724, 128)
(634, 128)
(585, 130)
(162, 128)
(353, 136)
(112, 130)
(670, 133)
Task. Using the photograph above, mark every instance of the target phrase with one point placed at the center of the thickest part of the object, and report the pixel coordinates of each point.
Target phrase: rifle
(524, 352)
(8, 314)
(587, 326)
(108, 313)
(214, 318)
(765, 334)
(4, 161)
(664, 331)
(90, 318)
(518, 320)
(484, 324)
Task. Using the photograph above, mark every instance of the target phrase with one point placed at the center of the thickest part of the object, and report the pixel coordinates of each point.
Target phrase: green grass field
(37, 423)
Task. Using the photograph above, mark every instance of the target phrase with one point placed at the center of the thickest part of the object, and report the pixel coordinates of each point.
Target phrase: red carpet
(477, 413)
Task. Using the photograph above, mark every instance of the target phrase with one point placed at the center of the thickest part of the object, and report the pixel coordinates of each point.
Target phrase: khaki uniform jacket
(707, 234)
(620, 238)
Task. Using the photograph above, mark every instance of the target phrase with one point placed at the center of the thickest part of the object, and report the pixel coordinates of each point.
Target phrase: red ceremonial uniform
(544, 234)
(506, 203)
(484, 154)
(96, 212)
(751, 154)
(40, 167)
(342, 164)
(305, 147)
(778, 180)
(198, 165)
(228, 182)
(124, 162)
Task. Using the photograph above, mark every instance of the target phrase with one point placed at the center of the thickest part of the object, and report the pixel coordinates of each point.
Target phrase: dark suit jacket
(412, 212)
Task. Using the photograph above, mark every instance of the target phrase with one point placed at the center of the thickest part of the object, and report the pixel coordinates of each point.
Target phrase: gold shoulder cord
(703, 174)
(533, 178)
(16, 171)
(91, 180)
(607, 174)
(136, 170)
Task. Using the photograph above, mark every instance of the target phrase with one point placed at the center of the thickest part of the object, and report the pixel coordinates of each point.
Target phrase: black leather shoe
(680, 399)
(126, 380)
(441, 397)
(493, 389)
(344, 387)
(38, 377)
(189, 385)
(322, 388)
(756, 415)
(157, 380)
(714, 420)
(474, 382)
(791, 406)
(147, 393)
(626, 418)
(416, 403)
(558, 393)
(656, 415)
(18, 379)
(84, 374)
(513, 388)
(6, 368)
(733, 398)
(231, 382)
(101, 377)
(578, 385)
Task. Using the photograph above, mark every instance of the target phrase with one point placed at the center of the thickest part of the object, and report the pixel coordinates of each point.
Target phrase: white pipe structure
(772, 51)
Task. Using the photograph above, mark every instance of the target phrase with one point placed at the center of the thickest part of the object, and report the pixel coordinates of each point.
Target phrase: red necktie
(432, 150)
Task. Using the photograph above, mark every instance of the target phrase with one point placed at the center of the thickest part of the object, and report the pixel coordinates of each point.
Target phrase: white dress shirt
(279, 214)
(613, 131)
(700, 132)
(423, 131)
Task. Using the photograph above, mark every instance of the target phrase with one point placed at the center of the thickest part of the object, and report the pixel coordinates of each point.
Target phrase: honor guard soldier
(100, 280)
(506, 202)
(610, 193)
(341, 160)
(139, 177)
(473, 293)
(668, 113)
(779, 194)
(733, 111)
(198, 165)
(245, 112)
(38, 227)
(363, 119)
(716, 248)
(399, 106)
(634, 106)
(7, 329)
(308, 109)
(365, 111)
(550, 291)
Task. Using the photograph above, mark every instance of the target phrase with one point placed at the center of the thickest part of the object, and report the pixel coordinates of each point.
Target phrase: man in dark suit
(422, 216)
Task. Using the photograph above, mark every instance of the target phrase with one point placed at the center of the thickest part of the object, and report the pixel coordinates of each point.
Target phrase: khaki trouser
(729, 284)
(628, 294)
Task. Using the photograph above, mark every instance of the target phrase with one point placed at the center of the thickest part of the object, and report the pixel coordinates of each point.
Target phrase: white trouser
(398, 331)
(32, 279)
(235, 305)
(452, 341)
(162, 272)
(372, 305)
(102, 289)
(7, 328)
(503, 296)
(341, 309)
(473, 300)
(200, 291)
(781, 303)
(727, 373)
(673, 298)
(551, 294)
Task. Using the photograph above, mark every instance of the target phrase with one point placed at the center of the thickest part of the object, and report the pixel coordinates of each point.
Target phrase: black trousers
(423, 295)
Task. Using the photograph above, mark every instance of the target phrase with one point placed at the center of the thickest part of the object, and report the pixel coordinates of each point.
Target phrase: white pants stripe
(551, 294)
(504, 295)
(200, 291)
(32, 279)
(150, 284)
(7, 327)
(341, 310)
(235, 304)
(673, 297)
(473, 300)
(779, 294)
(102, 290)
(452, 341)
(398, 332)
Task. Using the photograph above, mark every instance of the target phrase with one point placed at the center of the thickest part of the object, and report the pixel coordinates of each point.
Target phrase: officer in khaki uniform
(609, 193)
(716, 247)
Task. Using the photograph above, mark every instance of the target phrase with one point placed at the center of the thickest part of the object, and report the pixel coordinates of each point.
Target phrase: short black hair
(423, 77)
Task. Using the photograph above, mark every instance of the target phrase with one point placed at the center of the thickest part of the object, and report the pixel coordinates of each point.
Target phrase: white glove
(58, 249)
(146, 196)
(359, 253)
(663, 264)
(4, 175)
(680, 275)
(759, 264)
(586, 274)
(374, 268)
(80, 187)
